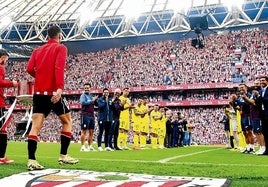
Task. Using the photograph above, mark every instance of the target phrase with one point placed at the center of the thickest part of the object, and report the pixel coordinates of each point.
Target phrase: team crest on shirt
(80, 178)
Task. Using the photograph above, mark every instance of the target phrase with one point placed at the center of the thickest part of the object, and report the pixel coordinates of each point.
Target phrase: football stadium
(133, 93)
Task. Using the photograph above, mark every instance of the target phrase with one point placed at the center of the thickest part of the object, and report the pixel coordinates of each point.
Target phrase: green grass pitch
(197, 161)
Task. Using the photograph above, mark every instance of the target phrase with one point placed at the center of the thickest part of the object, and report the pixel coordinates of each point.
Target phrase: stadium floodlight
(86, 18)
(87, 14)
(233, 4)
(181, 7)
(132, 9)
(5, 22)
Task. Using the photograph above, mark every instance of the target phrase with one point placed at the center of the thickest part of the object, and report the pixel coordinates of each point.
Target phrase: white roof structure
(26, 21)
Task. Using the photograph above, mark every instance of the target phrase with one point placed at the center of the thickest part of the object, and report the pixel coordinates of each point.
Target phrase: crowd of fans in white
(162, 63)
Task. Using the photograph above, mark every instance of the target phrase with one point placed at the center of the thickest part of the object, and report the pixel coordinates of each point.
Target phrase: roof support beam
(65, 13)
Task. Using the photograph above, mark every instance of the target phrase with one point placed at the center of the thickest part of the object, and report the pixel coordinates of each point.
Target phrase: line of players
(117, 115)
(247, 118)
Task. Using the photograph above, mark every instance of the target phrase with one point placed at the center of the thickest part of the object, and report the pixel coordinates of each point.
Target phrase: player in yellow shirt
(155, 119)
(162, 128)
(136, 122)
(124, 119)
(145, 122)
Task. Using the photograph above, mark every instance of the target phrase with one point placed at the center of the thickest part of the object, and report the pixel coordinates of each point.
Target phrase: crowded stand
(164, 63)
(174, 96)
(161, 63)
(208, 129)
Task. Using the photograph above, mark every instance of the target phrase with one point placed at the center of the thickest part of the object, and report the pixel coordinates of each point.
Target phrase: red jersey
(3, 84)
(47, 65)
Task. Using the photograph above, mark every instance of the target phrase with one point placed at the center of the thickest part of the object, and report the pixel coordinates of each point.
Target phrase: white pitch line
(166, 163)
(186, 155)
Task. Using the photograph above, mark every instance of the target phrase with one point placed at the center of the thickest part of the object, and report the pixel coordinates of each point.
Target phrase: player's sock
(3, 145)
(135, 140)
(124, 142)
(154, 142)
(161, 141)
(143, 140)
(65, 142)
(32, 146)
(120, 139)
(236, 141)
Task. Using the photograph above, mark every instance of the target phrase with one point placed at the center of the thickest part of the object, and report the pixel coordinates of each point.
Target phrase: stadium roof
(27, 20)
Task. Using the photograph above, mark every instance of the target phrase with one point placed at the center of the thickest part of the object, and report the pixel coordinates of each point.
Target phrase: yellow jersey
(153, 115)
(124, 114)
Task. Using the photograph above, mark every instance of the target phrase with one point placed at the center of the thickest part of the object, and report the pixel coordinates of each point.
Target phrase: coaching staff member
(264, 106)
(117, 107)
(47, 65)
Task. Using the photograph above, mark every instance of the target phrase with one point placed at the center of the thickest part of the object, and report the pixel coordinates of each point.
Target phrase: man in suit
(264, 106)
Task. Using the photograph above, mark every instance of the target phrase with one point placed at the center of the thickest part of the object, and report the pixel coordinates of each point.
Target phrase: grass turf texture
(198, 161)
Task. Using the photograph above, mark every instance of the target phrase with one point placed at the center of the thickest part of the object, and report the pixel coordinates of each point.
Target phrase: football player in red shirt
(47, 65)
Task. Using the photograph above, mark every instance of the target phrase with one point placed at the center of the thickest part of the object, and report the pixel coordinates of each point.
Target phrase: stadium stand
(167, 72)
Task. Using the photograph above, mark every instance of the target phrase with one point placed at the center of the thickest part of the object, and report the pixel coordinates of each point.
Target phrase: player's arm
(248, 100)
(123, 103)
(59, 72)
(126, 104)
(159, 116)
(149, 110)
(6, 83)
(101, 102)
(60, 65)
(84, 100)
(137, 112)
(227, 113)
(117, 105)
(156, 117)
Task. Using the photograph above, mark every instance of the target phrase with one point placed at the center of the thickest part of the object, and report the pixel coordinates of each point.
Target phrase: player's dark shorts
(87, 122)
(42, 104)
(245, 123)
(256, 124)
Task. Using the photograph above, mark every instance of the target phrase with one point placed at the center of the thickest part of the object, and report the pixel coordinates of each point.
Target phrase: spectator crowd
(165, 62)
